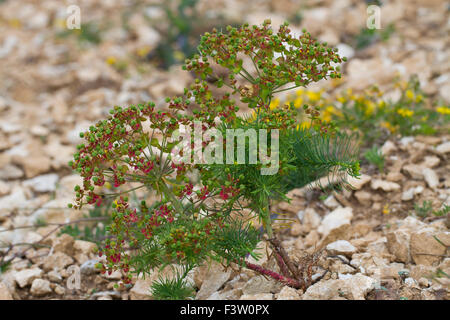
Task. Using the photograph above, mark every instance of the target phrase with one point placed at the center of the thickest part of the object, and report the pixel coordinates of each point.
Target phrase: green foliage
(174, 288)
(375, 157)
(4, 266)
(179, 40)
(95, 231)
(89, 33)
(423, 210)
(426, 209)
(367, 37)
(236, 240)
(442, 212)
(412, 113)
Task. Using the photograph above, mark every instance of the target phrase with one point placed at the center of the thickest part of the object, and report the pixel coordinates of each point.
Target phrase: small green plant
(95, 231)
(426, 209)
(367, 37)
(443, 211)
(376, 157)
(179, 40)
(423, 210)
(174, 288)
(198, 215)
(88, 33)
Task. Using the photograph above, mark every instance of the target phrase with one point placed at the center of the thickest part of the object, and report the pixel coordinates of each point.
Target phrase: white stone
(388, 147)
(42, 183)
(384, 185)
(40, 287)
(25, 277)
(358, 183)
(335, 220)
(5, 294)
(443, 148)
(353, 287)
(341, 247)
(331, 202)
(431, 177)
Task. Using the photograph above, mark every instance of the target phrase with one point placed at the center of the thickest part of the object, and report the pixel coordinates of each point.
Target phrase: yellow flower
(388, 126)
(313, 96)
(370, 107)
(305, 125)
(142, 52)
(386, 209)
(300, 92)
(443, 110)
(274, 103)
(410, 94)
(327, 113)
(60, 23)
(179, 55)
(111, 60)
(405, 112)
(15, 23)
(252, 116)
(341, 99)
(382, 104)
(298, 102)
(419, 98)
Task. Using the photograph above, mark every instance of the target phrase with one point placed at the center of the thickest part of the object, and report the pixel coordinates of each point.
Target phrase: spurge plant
(198, 216)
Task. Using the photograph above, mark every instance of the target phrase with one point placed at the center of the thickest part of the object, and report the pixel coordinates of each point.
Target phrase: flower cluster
(410, 113)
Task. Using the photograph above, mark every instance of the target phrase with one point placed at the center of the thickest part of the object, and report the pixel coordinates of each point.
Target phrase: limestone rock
(141, 289)
(342, 247)
(387, 148)
(4, 292)
(260, 284)
(363, 197)
(443, 148)
(58, 261)
(398, 245)
(258, 296)
(335, 225)
(214, 278)
(288, 293)
(358, 183)
(430, 177)
(425, 249)
(353, 287)
(26, 276)
(40, 287)
(384, 185)
(43, 183)
(84, 247)
(64, 243)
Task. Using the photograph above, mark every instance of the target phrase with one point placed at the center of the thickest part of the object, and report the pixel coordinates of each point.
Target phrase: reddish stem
(284, 269)
(286, 280)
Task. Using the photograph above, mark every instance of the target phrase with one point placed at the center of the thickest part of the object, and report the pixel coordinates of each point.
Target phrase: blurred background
(64, 64)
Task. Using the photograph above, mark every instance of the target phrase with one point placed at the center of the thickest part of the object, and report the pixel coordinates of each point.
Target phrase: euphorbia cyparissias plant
(199, 218)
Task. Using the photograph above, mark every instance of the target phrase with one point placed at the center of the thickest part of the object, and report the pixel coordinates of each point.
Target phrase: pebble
(40, 287)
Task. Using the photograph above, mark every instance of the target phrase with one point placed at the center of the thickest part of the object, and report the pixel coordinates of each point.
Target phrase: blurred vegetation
(367, 37)
(374, 116)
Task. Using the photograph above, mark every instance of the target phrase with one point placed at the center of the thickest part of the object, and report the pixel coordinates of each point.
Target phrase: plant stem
(267, 221)
(286, 280)
(166, 191)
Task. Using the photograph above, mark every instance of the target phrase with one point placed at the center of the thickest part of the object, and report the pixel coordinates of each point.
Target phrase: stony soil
(370, 239)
